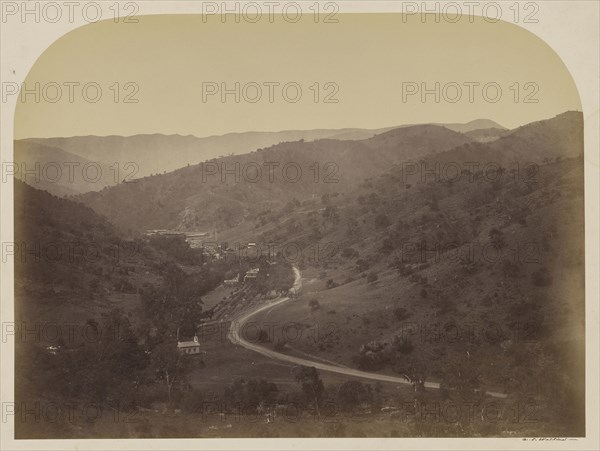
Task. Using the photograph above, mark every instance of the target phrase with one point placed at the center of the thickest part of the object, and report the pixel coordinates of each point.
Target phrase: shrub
(362, 265)
(373, 356)
(331, 284)
(401, 313)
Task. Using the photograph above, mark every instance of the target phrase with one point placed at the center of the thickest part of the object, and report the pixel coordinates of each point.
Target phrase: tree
(312, 386)
(412, 368)
(170, 366)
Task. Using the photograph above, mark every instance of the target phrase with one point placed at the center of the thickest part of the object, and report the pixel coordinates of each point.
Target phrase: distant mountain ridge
(226, 200)
(59, 172)
(157, 153)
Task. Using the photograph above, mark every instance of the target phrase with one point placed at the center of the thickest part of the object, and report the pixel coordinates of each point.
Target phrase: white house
(189, 347)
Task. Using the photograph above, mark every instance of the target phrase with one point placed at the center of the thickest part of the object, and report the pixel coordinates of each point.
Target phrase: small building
(233, 281)
(189, 347)
(252, 274)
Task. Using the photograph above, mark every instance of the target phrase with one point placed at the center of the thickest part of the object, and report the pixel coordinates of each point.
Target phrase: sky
(165, 74)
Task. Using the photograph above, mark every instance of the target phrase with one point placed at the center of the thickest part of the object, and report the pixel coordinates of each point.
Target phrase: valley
(419, 266)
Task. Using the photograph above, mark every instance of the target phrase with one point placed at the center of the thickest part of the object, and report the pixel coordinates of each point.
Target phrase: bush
(362, 265)
(314, 304)
(401, 313)
(331, 284)
(373, 356)
(372, 277)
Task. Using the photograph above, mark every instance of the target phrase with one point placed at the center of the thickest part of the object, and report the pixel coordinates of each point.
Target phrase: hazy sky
(366, 57)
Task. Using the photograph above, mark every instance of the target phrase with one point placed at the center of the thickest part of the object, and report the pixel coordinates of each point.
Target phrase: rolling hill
(300, 170)
(206, 195)
(476, 282)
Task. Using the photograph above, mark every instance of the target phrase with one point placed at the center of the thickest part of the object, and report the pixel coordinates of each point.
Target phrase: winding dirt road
(236, 337)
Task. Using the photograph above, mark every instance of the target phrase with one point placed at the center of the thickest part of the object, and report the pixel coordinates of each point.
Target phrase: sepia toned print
(255, 223)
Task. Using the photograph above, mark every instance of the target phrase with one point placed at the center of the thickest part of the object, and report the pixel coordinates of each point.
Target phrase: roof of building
(187, 344)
